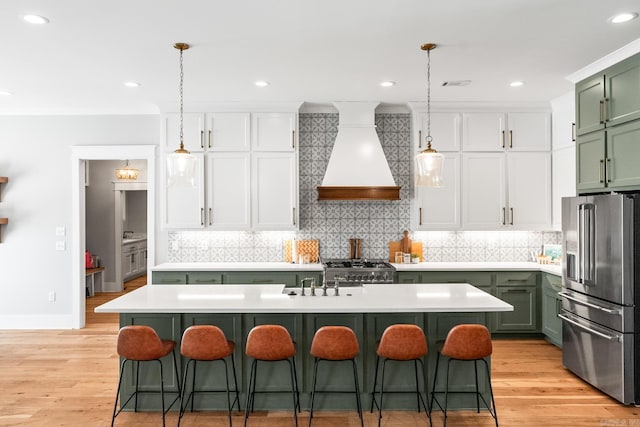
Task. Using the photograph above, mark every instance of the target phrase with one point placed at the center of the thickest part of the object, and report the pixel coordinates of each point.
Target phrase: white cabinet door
(563, 180)
(528, 132)
(228, 131)
(193, 131)
(483, 191)
(439, 208)
(563, 121)
(274, 131)
(275, 191)
(184, 203)
(483, 131)
(529, 186)
(445, 131)
(228, 191)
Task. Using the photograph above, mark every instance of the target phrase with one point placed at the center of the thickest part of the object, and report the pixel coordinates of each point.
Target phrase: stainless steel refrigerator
(601, 290)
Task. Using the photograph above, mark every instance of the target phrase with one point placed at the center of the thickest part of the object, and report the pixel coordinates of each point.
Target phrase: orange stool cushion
(467, 342)
(140, 342)
(270, 342)
(403, 342)
(335, 343)
(205, 342)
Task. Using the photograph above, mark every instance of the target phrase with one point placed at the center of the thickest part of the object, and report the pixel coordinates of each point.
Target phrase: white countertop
(236, 266)
(423, 266)
(443, 298)
(480, 266)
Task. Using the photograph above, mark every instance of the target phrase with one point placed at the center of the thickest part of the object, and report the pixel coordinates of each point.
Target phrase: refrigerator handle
(588, 244)
(589, 330)
(581, 237)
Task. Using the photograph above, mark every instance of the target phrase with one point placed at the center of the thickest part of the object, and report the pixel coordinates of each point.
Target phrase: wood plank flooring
(69, 378)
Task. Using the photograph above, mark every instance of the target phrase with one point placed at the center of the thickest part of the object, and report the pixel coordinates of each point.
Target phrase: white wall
(35, 154)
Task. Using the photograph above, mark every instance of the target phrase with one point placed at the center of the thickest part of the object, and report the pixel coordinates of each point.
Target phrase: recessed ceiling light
(261, 83)
(388, 83)
(36, 19)
(132, 84)
(517, 83)
(623, 17)
(5, 93)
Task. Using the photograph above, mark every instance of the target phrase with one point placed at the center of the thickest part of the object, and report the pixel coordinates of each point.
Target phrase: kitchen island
(368, 310)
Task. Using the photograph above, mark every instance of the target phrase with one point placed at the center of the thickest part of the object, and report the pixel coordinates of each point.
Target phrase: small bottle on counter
(294, 251)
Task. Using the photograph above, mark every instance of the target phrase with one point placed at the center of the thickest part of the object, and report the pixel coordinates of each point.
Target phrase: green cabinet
(608, 159)
(608, 129)
(169, 278)
(609, 98)
(204, 278)
(520, 289)
(551, 306)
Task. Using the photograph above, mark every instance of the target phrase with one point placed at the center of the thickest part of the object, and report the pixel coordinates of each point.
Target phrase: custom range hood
(357, 168)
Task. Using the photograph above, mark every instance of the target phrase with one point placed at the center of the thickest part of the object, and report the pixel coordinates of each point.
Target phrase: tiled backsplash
(377, 223)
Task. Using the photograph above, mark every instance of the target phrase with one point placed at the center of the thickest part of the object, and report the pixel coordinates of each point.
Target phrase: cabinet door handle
(600, 171)
(519, 291)
(573, 132)
(419, 216)
(504, 216)
(503, 139)
(601, 111)
(510, 139)
(210, 217)
(209, 138)
(202, 139)
(293, 139)
(202, 216)
(420, 139)
(511, 223)
(607, 170)
(606, 109)
(294, 216)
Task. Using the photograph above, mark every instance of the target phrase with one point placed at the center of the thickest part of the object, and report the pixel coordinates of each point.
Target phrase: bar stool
(206, 343)
(466, 343)
(142, 344)
(335, 344)
(401, 343)
(271, 343)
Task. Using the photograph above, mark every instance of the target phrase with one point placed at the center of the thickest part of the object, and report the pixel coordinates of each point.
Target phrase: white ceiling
(312, 51)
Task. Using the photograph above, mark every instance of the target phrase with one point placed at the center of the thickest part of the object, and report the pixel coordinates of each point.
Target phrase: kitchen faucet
(312, 285)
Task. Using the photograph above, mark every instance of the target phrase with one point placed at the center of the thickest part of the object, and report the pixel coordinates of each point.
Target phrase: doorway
(81, 155)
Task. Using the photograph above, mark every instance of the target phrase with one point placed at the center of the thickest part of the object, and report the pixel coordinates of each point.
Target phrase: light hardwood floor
(69, 378)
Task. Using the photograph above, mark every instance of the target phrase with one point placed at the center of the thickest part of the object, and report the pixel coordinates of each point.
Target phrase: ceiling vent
(357, 168)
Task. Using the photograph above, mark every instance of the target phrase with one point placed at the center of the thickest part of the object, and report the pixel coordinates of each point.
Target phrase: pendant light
(181, 163)
(127, 173)
(428, 172)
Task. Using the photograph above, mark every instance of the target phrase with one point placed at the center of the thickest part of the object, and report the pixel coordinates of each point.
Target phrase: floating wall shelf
(3, 180)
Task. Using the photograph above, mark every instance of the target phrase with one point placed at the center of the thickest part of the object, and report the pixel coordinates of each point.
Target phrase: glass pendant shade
(429, 168)
(127, 173)
(181, 166)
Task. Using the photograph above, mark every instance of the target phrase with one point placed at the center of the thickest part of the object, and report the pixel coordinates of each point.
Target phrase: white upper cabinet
(228, 191)
(274, 131)
(275, 191)
(192, 131)
(445, 131)
(184, 201)
(529, 195)
(500, 131)
(529, 131)
(439, 208)
(484, 191)
(228, 131)
(563, 180)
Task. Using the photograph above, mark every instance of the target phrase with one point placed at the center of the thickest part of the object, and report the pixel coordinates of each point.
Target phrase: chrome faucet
(324, 286)
(312, 285)
(336, 285)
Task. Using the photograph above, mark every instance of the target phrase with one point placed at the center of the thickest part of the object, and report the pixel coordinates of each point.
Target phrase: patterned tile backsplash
(377, 223)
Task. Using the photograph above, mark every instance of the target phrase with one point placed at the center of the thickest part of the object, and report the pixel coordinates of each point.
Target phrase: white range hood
(357, 168)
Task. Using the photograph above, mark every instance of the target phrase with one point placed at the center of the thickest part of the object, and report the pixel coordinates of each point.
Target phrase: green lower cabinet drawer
(407, 277)
(475, 278)
(524, 317)
(289, 279)
(204, 278)
(169, 278)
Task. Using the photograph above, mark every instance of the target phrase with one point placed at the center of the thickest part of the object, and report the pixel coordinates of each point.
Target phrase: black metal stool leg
(375, 380)
(313, 388)
(384, 364)
(235, 380)
(115, 405)
(475, 370)
(183, 404)
(162, 392)
(357, 390)
(249, 402)
(135, 404)
(295, 376)
(294, 391)
(446, 393)
(493, 402)
(226, 383)
(415, 369)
